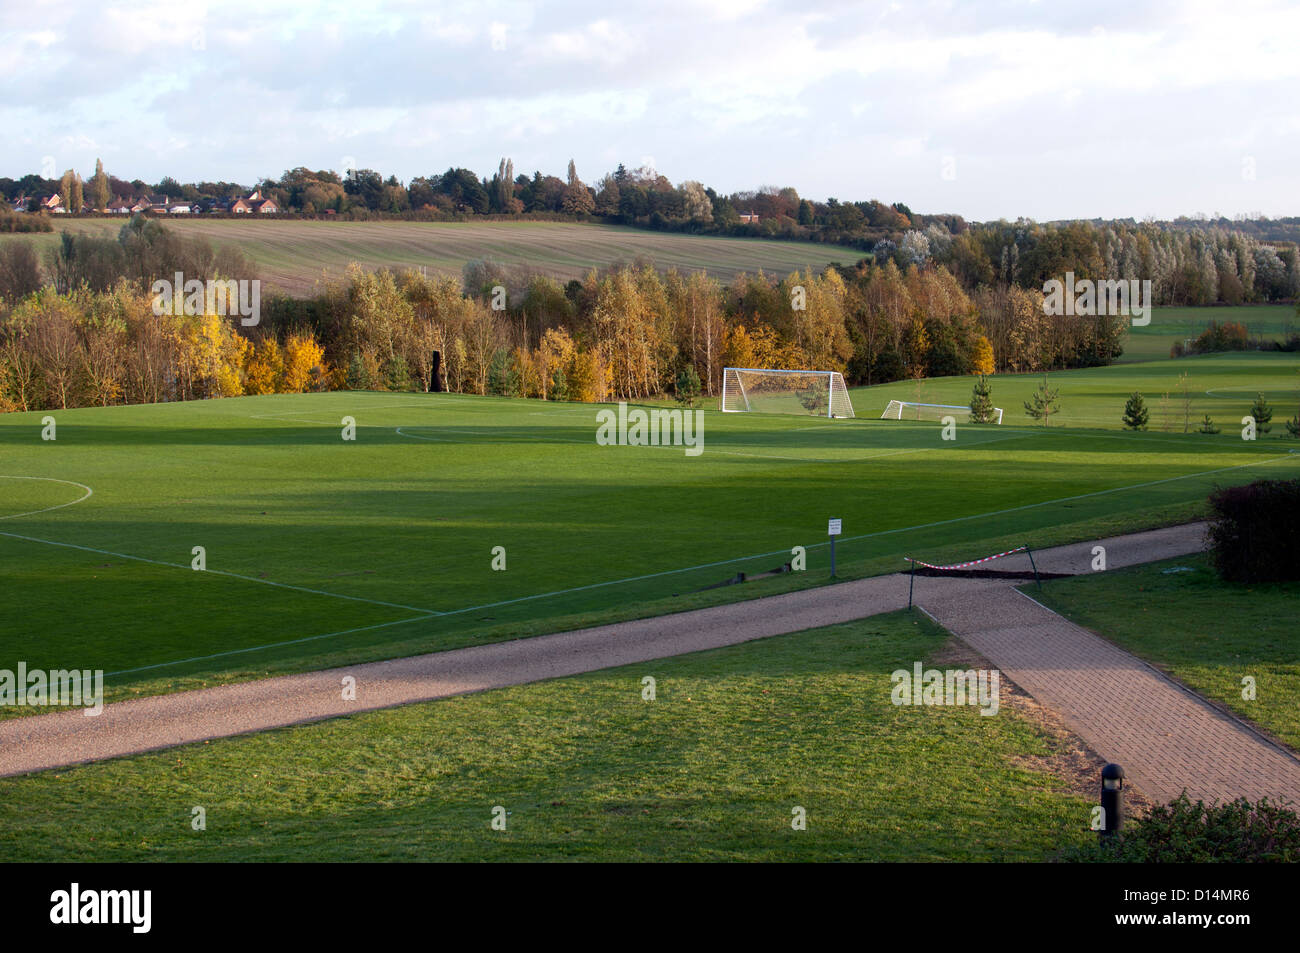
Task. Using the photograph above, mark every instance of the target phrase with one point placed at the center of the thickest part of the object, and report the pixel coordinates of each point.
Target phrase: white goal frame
(736, 400)
(894, 410)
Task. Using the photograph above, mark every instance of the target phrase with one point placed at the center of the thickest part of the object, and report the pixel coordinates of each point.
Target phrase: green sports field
(325, 551)
(1221, 385)
(1179, 325)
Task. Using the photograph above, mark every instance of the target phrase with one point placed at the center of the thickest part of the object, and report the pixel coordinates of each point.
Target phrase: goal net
(907, 410)
(775, 391)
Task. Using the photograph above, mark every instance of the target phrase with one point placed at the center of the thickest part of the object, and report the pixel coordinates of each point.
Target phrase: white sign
(833, 528)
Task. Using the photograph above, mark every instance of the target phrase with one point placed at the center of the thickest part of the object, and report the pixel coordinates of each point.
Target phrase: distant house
(748, 218)
(254, 203)
(20, 204)
(180, 209)
(120, 208)
(53, 204)
(142, 205)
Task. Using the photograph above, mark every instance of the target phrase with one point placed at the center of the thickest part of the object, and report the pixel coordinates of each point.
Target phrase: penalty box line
(222, 572)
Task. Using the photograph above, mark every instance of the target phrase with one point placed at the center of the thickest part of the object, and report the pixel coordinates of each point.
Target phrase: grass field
(710, 770)
(321, 551)
(1170, 326)
(1221, 385)
(1207, 633)
(292, 255)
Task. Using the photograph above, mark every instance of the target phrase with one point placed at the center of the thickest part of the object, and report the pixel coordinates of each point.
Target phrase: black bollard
(1112, 801)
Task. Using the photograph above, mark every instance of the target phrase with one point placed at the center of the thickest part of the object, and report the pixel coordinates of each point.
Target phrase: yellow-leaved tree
(264, 367)
(984, 363)
(304, 364)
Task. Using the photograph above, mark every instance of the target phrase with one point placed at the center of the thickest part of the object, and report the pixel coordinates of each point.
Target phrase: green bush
(1255, 531)
(1181, 832)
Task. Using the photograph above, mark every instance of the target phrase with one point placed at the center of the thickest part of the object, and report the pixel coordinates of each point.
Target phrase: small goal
(776, 391)
(907, 410)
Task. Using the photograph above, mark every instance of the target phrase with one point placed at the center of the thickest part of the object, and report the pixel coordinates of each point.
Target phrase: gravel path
(1128, 712)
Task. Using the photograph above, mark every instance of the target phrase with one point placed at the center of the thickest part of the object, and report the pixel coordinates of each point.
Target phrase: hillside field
(293, 255)
(324, 551)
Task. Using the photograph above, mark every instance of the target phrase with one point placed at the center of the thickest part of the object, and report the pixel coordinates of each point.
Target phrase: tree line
(91, 335)
(1189, 262)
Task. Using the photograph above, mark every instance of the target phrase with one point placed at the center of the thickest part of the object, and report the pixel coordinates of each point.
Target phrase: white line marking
(269, 645)
(88, 495)
(222, 572)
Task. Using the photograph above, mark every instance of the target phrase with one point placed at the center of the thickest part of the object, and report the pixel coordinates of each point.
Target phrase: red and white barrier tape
(974, 562)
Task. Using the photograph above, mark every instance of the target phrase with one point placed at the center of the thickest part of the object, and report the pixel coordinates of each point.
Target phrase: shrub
(1182, 832)
(1228, 336)
(1255, 531)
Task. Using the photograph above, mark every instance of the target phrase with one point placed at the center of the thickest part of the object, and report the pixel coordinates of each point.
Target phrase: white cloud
(1071, 108)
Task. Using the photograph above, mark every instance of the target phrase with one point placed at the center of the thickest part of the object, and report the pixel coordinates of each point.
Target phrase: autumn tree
(99, 187)
(304, 363)
(264, 370)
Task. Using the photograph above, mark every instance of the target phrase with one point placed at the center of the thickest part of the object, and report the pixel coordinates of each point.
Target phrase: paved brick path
(1166, 738)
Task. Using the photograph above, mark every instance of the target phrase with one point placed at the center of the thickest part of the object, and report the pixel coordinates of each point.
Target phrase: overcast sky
(1049, 110)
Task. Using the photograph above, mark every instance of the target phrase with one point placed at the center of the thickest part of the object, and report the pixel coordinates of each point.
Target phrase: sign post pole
(833, 530)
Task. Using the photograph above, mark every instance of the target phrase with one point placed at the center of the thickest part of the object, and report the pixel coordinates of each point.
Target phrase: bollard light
(1112, 801)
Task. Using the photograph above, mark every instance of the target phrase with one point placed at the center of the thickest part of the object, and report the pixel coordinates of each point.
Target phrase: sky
(1051, 110)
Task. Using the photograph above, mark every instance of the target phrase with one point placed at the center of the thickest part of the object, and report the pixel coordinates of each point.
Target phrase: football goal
(906, 410)
(775, 391)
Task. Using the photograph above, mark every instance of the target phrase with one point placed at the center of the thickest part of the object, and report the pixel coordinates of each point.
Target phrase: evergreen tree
(1043, 403)
(503, 376)
(1207, 425)
(981, 402)
(559, 384)
(398, 374)
(1262, 413)
(358, 378)
(688, 386)
(1136, 414)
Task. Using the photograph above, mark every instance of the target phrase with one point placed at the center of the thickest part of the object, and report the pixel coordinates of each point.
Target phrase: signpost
(833, 530)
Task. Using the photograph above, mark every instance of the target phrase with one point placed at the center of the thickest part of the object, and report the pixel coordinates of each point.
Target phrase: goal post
(909, 410)
(779, 391)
